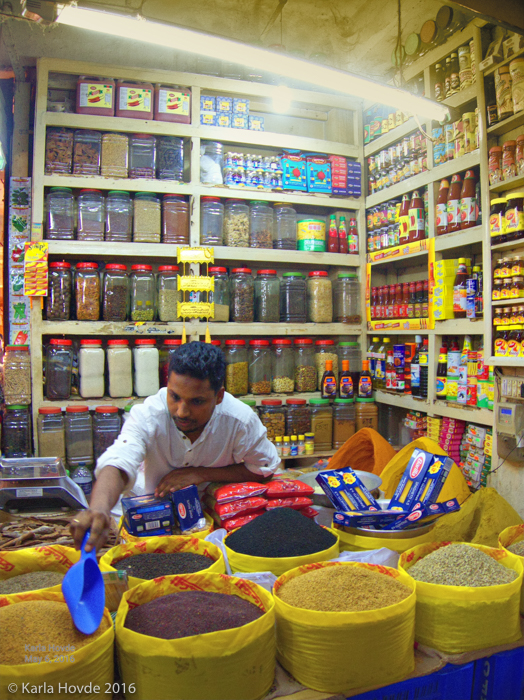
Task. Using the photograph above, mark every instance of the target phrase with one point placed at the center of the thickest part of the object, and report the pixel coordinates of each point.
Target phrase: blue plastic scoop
(84, 591)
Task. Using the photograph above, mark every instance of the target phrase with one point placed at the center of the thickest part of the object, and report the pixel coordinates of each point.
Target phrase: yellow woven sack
(455, 485)
(246, 564)
(457, 619)
(93, 664)
(50, 558)
(126, 538)
(510, 536)
(237, 664)
(162, 545)
(334, 652)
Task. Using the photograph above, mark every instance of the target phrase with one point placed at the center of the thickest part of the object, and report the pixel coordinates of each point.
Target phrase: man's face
(191, 401)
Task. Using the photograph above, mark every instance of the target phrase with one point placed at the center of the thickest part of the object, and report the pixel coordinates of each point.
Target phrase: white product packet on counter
(382, 556)
(217, 537)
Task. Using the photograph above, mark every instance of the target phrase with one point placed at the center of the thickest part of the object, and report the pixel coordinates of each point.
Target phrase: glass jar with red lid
(87, 291)
(51, 432)
(142, 293)
(106, 429)
(168, 293)
(298, 417)
(242, 295)
(319, 297)
(146, 364)
(58, 300)
(283, 366)
(273, 417)
(119, 368)
(175, 220)
(236, 367)
(116, 293)
(259, 370)
(305, 369)
(79, 436)
(59, 367)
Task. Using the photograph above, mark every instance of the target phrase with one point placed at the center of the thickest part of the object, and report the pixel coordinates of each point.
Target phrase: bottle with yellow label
(497, 221)
(514, 216)
(442, 373)
(501, 341)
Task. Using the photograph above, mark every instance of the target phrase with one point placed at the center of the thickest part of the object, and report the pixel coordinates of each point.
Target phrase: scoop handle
(84, 554)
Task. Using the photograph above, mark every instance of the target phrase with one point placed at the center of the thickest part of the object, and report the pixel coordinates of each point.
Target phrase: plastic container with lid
(495, 165)
(305, 369)
(58, 300)
(17, 375)
(91, 363)
(119, 217)
(170, 158)
(147, 218)
(343, 421)
(267, 296)
(95, 95)
(236, 224)
(509, 160)
(298, 417)
(366, 414)
(106, 429)
(503, 93)
(172, 104)
(51, 433)
(168, 347)
(293, 298)
(116, 293)
(142, 156)
(211, 221)
(119, 368)
(497, 221)
(134, 100)
(87, 291)
(211, 157)
(16, 431)
(86, 152)
(59, 151)
(175, 220)
(79, 436)
(146, 364)
(260, 225)
(235, 353)
(242, 295)
(519, 154)
(168, 294)
(59, 368)
(60, 214)
(346, 294)
(115, 155)
(220, 297)
(319, 297)
(325, 350)
(91, 215)
(321, 423)
(285, 227)
(514, 216)
(273, 417)
(259, 370)
(283, 366)
(142, 294)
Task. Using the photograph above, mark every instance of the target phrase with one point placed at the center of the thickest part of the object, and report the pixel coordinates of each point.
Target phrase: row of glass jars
(117, 217)
(84, 152)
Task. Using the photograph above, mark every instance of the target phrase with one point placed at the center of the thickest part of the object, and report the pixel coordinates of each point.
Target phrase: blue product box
(224, 104)
(499, 677)
(207, 103)
(294, 172)
(241, 106)
(345, 490)
(318, 174)
(238, 121)
(188, 509)
(422, 480)
(256, 123)
(223, 120)
(424, 514)
(208, 118)
(147, 516)
(366, 518)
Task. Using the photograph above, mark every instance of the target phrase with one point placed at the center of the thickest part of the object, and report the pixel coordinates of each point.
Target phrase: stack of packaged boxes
(417, 424)
(434, 424)
(450, 437)
(231, 112)
(476, 452)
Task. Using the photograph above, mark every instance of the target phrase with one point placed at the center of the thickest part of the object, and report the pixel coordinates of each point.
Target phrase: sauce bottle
(501, 341)
(374, 302)
(405, 300)
(468, 201)
(439, 83)
(454, 74)
(460, 290)
(345, 381)
(391, 373)
(412, 300)
(453, 204)
(332, 235)
(442, 373)
(365, 384)
(447, 77)
(419, 298)
(398, 301)
(353, 237)
(415, 368)
(403, 235)
(441, 211)
(343, 246)
(328, 386)
(417, 227)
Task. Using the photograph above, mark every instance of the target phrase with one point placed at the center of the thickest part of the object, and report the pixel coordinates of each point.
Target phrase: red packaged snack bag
(296, 503)
(242, 507)
(309, 512)
(288, 487)
(233, 523)
(225, 493)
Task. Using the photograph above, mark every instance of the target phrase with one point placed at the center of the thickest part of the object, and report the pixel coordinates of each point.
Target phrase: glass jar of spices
(236, 224)
(60, 214)
(170, 158)
(259, 370)
(168, 293)
(293, 298)
(366, 414)
(220, 297)
(91, 215)
(51, 433)
(16, 431)
(319, 297)
(86, 153)
(79, 436)
(58, 151)
(91, 363)
(146, 362)
(260, 225)
(236, 367)
(346, 294)
(242, 295)
(283, 366)
(322, 423)
(175, 220)
(142, 156)
(17, 375)
(305, 370)
(115, 155)
(119, 217)
(87, 292)
(147, 218)
(142, 293)
(285, 227)
(119, 368)
(168, 347)
(58, 300)
(267, 296)
(116, 293)
(211, 221)
(106, 429)
(298, 417)
(59, 368)
(343, 421)
(273, 417)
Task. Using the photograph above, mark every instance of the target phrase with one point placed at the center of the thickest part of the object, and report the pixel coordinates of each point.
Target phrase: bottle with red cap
(106, 429)
(119, 368)
(168, 293)
(235, 353)
(142, 293)
(242, 293)
(79, 437)
(59, 367)
(283, 366)
(259, 369)
(147, 364)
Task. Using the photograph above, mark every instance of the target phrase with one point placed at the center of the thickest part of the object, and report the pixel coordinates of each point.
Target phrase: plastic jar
(259, 370)
(142, 294)
(236, 224)
(495, 165)
(115, 155)
(319, 297)
(60, 214)
(175, 220)
(321, 423)
(142, 156)
(172, 104)
(509, 161)
(87, 291)
(119, 217)
(236, 367)
(119, 368)
(242, 295)
(116, 293)
(58, 300)
(293, 298)
(305, 369)
(260, 225)
(211, 153)
(211, 221)
(220, 297)
(17, 375)
(58, 151)
(59, 368)
(95, 95)
(91, 215)
(298, 417)
(497, 221)
(51, 433)
(146, 222)
(350, 351)
(267, 296)
(106, 429)
(170, 158)
(283, 366)
(86, 153)
(366, 414)
(519, 154)
(514, 216)
(284, 227)
(325, 350)
(146, 363)
(16, 431)
(346, 295)
(273, 417)
(134, 100)
(343, 421)
(79, 436)
(168, 347)
(168, 294)
(91, 362)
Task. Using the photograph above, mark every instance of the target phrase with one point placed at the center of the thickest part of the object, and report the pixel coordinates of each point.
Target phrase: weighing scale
(38, 485)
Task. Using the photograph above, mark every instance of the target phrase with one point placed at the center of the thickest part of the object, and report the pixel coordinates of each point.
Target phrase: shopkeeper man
(191, 432)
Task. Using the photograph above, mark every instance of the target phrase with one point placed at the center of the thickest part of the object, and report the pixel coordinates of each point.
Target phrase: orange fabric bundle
(366, 451)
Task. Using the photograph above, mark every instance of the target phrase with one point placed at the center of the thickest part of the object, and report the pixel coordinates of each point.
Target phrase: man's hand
(178, 479)
(98, 521)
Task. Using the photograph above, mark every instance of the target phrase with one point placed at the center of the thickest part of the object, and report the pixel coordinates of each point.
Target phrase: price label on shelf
(398, 251)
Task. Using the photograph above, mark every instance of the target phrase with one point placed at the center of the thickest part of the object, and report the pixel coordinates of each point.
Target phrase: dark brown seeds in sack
(155, 564)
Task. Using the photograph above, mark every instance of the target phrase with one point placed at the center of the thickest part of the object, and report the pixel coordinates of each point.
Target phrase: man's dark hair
(202, 361)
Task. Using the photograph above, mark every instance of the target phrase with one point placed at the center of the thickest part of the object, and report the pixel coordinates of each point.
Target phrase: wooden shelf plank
(462, 97)
(391, 137)
(315, 455)
(459, 239)
(507, 124)
(401, 400)
(276, 330)
(507, 60)
(399, 257)
(459, 412)
(127, 184)
(507, 302)
(459, 326)
(511, 184)
(509, 245)
(305, 198)
(285, 257)
(506, 361)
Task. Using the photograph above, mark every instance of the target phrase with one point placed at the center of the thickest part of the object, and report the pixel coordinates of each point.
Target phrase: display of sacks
(238, 664)
(125, 537)
(49, 558)
(509, 536)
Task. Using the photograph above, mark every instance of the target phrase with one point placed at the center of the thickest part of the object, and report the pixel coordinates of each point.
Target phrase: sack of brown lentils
(35, 568)
(512, 540)
(468, 595)
(237, 663)
(345, 625)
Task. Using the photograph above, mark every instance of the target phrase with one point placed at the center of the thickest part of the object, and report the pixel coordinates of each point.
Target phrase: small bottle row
(506, 218)
(509, 339)
(455, 73)
(397, 163)
(402, 300)
(402, 368)
(508, 315)
(506, 161)
(462, 377)
(397, 222)
(458, 204)
(454, 140)
(508, 278)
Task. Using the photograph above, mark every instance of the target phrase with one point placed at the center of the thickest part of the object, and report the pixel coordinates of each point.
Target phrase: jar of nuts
(236, 367)
(298, 417)
(87, 292)
(146, 222)
(115, 154)
(116, 293)
(273, 417)
(236, 223)
(319, 297)
(242, 295)
(267, 296)
(142, 288)
(58, 151)
(325, 350)
(260, 225)
(305, 369)
(259, 367)
(283, 366)
(58, 300)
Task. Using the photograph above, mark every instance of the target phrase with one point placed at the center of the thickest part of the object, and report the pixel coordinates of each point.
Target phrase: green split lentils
(461, 565)
(31, 581)
(517, 548)
(343, 589)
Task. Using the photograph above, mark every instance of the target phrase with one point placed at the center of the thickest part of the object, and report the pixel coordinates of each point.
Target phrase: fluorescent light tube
(173, 37)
